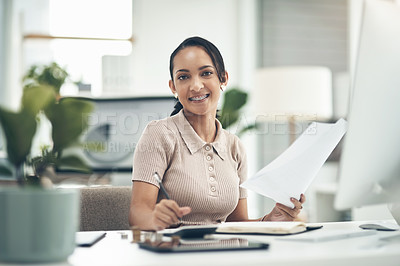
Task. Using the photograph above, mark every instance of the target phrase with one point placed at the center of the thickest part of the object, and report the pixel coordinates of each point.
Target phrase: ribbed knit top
(204, 176)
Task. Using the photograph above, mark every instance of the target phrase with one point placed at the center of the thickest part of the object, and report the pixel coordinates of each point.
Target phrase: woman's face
(196, 82)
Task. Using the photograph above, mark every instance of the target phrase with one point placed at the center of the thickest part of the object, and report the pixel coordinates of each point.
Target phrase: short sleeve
(242, 167)
(153, 152)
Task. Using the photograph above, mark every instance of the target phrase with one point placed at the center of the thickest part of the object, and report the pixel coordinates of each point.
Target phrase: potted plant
(38, 222)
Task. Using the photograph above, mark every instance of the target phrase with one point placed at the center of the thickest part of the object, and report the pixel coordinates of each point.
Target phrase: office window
(87, 37)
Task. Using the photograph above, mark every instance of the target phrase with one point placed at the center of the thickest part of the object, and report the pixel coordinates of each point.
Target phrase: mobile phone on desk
(88, 238)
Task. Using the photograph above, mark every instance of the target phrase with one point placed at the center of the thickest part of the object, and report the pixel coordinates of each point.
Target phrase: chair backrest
(105, 208)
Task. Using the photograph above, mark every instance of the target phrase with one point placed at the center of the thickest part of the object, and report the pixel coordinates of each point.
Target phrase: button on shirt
(204, 176)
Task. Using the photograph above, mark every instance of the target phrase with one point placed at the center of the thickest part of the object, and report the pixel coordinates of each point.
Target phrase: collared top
(204, 176)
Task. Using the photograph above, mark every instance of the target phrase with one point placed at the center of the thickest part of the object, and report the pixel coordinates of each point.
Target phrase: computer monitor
(117, 124)
(369, 171)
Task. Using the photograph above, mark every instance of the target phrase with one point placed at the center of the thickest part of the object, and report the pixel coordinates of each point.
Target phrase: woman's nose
(196, 85)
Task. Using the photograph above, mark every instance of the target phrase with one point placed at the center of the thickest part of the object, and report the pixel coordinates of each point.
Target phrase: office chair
(105, 208)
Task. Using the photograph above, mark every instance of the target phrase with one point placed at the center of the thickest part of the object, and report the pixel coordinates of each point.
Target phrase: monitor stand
(394, 209)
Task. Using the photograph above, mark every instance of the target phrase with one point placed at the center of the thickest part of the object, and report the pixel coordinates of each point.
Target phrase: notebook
(254, 228)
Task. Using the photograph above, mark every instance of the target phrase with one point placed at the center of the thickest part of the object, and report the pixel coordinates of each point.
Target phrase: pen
(157, 177)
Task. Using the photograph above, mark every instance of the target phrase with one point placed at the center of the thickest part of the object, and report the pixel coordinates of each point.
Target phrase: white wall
(159, 26)
(20, 16)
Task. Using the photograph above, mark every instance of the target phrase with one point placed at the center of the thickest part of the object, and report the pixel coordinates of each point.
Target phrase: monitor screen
(369, 171)
(115, 125)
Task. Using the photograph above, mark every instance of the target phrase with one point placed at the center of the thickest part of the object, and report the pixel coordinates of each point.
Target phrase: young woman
(201, 165)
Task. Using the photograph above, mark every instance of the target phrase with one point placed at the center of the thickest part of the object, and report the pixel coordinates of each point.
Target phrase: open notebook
(261, 228)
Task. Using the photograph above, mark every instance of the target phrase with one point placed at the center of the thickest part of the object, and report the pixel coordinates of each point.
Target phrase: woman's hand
(166, 213)
(283, 213)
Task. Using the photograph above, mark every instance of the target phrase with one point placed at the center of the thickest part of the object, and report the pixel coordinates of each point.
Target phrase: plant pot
(38, 225)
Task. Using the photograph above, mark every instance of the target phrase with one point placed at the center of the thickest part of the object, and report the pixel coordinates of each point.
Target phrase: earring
(223, 87)
(176, 95)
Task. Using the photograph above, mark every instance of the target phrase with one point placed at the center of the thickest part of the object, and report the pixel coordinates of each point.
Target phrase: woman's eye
(183, 77)
(207, 73)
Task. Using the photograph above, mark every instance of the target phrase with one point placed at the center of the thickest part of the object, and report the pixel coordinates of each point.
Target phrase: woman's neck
(204, 125)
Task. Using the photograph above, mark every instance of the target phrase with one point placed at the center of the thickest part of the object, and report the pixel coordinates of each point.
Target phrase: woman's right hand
(167, 213)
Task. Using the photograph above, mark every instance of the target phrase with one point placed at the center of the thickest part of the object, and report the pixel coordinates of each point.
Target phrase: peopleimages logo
(276, 124)
(131, 124)
(121, 123)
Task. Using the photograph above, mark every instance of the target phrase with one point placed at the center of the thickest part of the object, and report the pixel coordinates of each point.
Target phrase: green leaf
(69, 118)
(73, 163)
(234, 99)
(37, 97)
(52, 75)
(19, 129)
(5, 171)
(40, 163)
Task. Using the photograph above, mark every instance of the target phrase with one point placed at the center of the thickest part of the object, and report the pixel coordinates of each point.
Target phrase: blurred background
(121, 48)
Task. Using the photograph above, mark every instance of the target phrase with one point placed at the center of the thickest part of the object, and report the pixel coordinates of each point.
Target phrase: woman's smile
(199, 98)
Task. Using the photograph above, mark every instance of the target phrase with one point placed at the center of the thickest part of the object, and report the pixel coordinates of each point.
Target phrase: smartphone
(88, 238)
(203, 245)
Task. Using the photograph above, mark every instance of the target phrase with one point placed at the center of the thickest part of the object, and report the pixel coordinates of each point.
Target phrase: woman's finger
(302, 198)
(168, 212)
(292, 213)
(170, 204)
(173, 207)
(297, 204)
(166, 218)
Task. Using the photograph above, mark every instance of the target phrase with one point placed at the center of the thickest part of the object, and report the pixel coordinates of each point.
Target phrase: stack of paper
(292, 172)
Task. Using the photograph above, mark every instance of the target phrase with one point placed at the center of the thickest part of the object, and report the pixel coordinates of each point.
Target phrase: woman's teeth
(199, 98)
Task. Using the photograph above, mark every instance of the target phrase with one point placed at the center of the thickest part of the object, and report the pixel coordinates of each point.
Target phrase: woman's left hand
(283, 213)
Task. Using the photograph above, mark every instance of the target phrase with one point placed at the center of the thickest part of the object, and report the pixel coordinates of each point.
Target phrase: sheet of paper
(293, 171)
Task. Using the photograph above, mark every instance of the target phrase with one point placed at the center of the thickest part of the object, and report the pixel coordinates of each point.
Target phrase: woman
(201, 164)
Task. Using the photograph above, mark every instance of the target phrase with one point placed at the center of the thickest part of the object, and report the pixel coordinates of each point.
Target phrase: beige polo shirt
(204, 176)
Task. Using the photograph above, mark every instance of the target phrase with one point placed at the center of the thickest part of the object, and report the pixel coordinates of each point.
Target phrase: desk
(365, 250)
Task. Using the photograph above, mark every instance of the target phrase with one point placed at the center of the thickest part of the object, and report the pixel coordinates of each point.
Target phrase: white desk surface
(364, 250)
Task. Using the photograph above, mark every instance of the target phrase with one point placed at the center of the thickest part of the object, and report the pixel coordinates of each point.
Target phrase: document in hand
(292, 172)
(273, 228)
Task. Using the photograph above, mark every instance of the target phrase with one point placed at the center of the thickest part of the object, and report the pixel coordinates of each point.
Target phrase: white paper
(292, 172)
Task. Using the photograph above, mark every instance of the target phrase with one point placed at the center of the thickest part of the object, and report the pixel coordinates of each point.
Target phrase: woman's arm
(146, 214)
(240, 213)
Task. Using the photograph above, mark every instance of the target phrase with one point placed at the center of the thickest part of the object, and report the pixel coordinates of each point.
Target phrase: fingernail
(292, 199)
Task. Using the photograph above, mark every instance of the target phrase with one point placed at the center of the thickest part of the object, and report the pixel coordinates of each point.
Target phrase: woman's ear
(226, 79)
(172, 87)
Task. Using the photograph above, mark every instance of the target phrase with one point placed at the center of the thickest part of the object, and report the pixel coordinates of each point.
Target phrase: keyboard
(320, 236)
